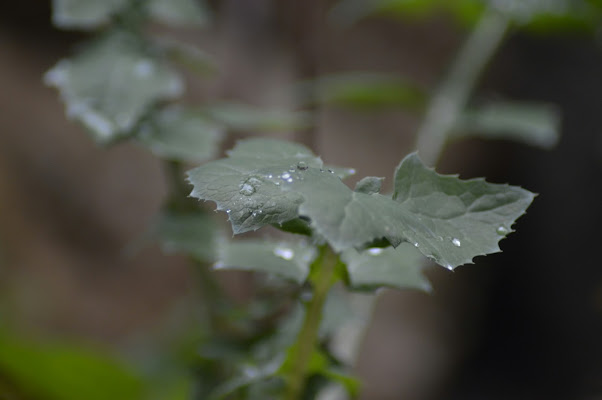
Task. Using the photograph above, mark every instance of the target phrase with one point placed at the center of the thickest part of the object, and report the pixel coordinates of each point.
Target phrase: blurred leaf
(363, 91)
(84, 14)
(531, 123)
(240, 117)
(187, 55)
(179, 12)
(376, 267)
(288, 260)
(181, 134)
(54, 372)
(538, 15)
(448, 219)
(110, 85)
(188, 233)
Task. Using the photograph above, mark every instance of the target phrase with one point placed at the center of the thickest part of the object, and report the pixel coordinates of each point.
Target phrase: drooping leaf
(84, 14)
(180, 134)
(288, 260)
(448, 219)
(363, 91)
(110, 85)
(377, 267)
(194, 234)
(58, 372)
(531, 123)
(179, 12)
(242, 117)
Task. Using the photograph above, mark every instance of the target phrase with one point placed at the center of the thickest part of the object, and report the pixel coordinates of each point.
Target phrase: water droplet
(292, 168)
(270, 176)
(259, 211)
(284, 253)
(456, 242)
(290, 180)
(285, 176)
(502, 230)
(254, 213)
(228, 211)
(375, 251)
(449, 267)
(302, 165)
(247, 189)
(331, 171)
(416, 245)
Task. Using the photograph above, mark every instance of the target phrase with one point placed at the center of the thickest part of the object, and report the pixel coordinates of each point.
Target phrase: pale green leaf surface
(176, 133)
(57, 372)
(287, 260)
(84, 14)
(179, 12)
(375, 267)
(531, 123)
(241, 117)
(448, 219)
(110, 85)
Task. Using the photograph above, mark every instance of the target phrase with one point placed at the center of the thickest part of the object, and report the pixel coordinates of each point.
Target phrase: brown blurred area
(524, 324)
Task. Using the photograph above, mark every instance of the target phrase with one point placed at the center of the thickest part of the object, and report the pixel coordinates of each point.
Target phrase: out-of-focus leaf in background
(530, 123)
(110, 85)
(180, 134)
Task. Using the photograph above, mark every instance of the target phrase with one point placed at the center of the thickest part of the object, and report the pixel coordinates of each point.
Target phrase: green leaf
(376, 267)
(531, 123)
(240, 117)
(369, 185)
(270, 182)
(111, 84)
(363, 90)
(84, 14)
(57, 372)
(179, 12)
(288, 260)
(188, 233)
(181, 134)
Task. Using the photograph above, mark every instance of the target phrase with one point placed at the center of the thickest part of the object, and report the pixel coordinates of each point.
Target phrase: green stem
(323, 277)
(453, 93)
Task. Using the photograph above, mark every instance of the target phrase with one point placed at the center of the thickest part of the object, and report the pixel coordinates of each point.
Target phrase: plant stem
(323, 277)
(453, 93)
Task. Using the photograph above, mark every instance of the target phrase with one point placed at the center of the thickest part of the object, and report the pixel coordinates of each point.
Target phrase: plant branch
(298, 362)
(453, 93)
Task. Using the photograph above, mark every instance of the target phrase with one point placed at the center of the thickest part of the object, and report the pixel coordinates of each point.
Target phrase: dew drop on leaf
(247, 189)
(456, 242)
(284, 253)
(286, 176)
(502, 230)
(302, 165)
(375, 251)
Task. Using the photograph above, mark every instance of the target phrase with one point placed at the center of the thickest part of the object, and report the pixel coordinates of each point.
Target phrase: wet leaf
(111, 84)
(287, 260)
(376, 267)
(531, 123)
(175, 133)
(448, 219)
